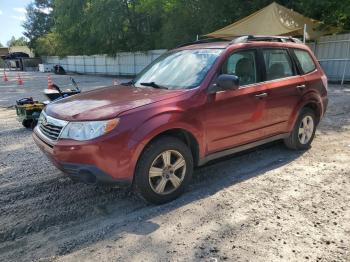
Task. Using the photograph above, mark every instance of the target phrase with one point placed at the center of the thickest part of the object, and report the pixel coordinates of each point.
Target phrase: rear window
(278, 63)
(305, 60)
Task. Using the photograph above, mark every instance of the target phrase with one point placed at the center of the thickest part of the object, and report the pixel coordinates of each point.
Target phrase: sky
(12, 15)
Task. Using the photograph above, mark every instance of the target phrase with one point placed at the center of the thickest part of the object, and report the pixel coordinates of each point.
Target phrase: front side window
(277, 63)
(305, 60)
(178, 69)
(243, 65)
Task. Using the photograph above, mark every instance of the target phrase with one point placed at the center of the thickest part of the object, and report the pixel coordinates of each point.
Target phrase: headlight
(41, 117)
(88, 129)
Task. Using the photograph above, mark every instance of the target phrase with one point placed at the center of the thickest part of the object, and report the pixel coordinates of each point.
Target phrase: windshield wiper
(130, 83)
(154, 85)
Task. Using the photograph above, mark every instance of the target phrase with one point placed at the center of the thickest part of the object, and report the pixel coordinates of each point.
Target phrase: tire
(27, 123)
(162, 186)
(33, 124)
(295, 141)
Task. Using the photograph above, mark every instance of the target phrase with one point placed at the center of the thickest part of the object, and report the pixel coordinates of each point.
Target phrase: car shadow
(207, 181)
(44, 213)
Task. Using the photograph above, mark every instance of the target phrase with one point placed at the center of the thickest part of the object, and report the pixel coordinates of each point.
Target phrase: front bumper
(87, 161)
(90, 174)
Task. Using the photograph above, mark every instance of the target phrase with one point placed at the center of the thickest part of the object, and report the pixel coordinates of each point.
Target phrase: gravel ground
(268, 204)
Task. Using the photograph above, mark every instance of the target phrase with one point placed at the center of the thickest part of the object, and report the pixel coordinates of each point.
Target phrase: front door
(237, 117)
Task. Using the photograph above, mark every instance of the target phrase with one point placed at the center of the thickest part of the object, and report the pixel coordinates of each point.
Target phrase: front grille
(51, 131)
(51, 127)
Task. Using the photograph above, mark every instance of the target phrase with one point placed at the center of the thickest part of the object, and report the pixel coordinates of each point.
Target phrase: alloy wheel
(306, 129)
(167, 172)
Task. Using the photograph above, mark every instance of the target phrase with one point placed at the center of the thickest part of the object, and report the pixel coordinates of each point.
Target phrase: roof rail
(252, 38)
(244, 39)
(202, 41)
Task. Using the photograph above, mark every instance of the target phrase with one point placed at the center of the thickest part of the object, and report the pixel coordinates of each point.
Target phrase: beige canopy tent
(274, 19)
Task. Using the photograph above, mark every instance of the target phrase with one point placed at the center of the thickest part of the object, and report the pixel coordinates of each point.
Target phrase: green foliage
(38, 21)
(331, 12)
(21, 41)
(108, 26)
(49, 44)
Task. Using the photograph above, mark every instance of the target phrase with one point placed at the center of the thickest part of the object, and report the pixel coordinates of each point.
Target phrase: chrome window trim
(269, 81)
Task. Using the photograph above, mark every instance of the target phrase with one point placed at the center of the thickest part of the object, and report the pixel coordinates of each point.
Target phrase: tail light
(324, 81)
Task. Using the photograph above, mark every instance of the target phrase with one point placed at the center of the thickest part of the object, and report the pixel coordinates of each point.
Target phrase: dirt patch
(269, 204)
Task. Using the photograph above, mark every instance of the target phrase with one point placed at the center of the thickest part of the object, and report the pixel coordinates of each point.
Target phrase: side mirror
(225, 82)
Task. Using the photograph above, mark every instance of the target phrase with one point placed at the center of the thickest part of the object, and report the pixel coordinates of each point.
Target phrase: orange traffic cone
(115, 82)
(49, 82)
(5, 79)
(19, 80)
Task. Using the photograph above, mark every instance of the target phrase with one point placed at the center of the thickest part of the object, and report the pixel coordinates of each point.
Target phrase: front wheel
(303, 132)
(164, 170)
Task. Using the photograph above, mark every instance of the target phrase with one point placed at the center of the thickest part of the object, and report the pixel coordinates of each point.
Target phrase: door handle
(262, 95)
(301, 87)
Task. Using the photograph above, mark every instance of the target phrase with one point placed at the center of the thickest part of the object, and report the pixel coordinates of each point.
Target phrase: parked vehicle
(15, 59)
(14, 55)
(193, 104)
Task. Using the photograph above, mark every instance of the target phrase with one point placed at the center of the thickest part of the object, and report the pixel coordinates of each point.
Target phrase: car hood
(106, 103)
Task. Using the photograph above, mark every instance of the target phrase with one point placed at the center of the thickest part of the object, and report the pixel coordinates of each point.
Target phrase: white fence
(122, 64)
(333, 53)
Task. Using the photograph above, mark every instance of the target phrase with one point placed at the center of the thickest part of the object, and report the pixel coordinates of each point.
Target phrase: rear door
(285, 88)
(308, 69)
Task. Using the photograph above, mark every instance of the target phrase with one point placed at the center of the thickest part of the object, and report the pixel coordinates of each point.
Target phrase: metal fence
(122, 64)
(333, 53)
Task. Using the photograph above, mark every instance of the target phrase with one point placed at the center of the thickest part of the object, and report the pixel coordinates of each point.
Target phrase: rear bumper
(324, 105)
(85, 163)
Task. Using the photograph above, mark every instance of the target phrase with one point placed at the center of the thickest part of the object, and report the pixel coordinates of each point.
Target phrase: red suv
(193, 104)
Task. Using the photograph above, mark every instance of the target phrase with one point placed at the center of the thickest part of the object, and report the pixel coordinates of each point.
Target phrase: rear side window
(305, 60)
(277, 63)
(243, 65)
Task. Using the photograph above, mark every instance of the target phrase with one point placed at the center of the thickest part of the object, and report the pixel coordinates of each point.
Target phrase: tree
(1, 45)
(38, 20)
(17, 42)
(108, 26)
(331, 12)
(49, 45)
(105, 26)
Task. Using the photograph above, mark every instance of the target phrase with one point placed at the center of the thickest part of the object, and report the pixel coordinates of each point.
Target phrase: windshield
(178, 69)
